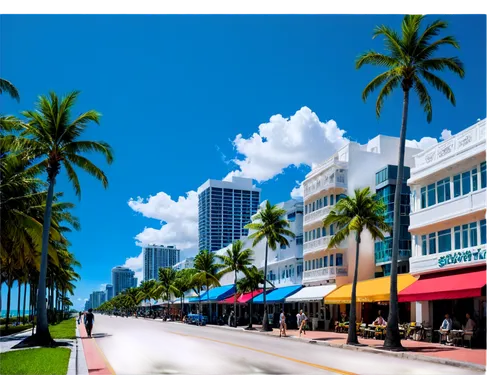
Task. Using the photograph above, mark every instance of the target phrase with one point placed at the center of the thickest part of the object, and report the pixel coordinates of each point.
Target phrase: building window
(456, 186)
(318, 232)
(325, 261)
(339, 260)
(283, 246)
(331, 198)
(465, 183)
(473, 234)
(331, 229)
(325, 201)
(474, 179)
(324, 231)
(424, 245)
(317, 263)
(306, 209)
(331, 260)
(465, 236)
(483, 175)
(482, 223)
(444, 240)
(432, 243)
(299, 240)
(431, 195)
(423, 200)
(443, 190)
(457, 237)
(314, 206)
(291, 217)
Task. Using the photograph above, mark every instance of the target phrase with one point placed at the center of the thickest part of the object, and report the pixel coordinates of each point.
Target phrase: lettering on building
(462, 257)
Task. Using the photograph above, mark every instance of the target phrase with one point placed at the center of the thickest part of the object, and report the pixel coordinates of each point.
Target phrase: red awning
(429, 288)
(248, 296)
(241, 298)
(230, 300)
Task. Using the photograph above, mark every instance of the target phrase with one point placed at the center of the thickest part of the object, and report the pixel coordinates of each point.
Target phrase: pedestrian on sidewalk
(282, 323)
(303, 323)
(89, 322)
(79, 317)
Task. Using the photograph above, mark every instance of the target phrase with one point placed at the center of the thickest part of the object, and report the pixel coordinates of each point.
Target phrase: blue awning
(215, 294)
(277, 295)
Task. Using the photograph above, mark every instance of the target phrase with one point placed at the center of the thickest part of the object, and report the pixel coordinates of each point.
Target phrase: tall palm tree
(249, 284)
(270, 225)
(9, 88)
(207, 272)
(236, 260)
(410, 60)
(355, 214)
(148, 291)
(183, 284)
(166, 287)
(51, 137)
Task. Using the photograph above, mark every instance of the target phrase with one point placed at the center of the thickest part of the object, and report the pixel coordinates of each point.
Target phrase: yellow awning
(372, 290)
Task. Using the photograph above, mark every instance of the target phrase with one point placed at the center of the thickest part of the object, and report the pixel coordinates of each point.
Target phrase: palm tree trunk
(42, 326)
(392, 339)
(209, 304)
(265, 319)
(24, 302)
(352, 338)
(235, 282)
(7, 316)
(250, 326)
(18, 301)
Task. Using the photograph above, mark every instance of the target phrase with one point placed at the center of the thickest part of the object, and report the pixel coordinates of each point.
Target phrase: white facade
(352, 167)
(183, 264)
(155, 257)
(284, 267)
(449, 202)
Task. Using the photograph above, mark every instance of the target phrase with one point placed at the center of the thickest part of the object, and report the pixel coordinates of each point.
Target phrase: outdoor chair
(380, 333)
(468, 335)
(362, 330)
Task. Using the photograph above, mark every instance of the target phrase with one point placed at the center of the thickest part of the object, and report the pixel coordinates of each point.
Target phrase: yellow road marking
(110, 368)
(326, 368)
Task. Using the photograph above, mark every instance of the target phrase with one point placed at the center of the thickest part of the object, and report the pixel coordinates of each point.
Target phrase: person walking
(79, 317)
(89, 322)
(282, 323)
(303, 323)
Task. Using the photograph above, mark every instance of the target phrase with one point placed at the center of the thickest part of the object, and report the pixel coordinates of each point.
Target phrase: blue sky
(175, 91)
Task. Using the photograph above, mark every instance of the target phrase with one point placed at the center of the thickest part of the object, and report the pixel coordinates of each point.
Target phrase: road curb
(77, 363)
(367, 349)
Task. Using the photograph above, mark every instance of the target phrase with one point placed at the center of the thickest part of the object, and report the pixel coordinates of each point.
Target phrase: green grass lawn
(41, 361)
(63, 330)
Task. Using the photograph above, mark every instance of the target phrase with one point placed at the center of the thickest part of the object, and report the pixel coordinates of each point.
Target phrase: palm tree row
(35, 218)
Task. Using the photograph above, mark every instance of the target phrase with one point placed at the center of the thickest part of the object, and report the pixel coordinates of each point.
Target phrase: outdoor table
(456, 335)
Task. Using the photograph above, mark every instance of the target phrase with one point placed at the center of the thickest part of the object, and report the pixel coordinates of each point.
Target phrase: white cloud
(298, 191)
(299, 140)
(445, 134)
(78, 299)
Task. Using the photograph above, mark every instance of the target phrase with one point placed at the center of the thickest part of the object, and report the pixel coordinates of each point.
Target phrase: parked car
(197, 319)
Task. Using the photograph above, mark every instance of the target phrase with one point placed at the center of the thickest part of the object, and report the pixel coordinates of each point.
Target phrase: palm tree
(53, 139)
(148, 291)
(410, 60)
(236, 260)
(249, 284)
(270, 225)
(355, 214)
(183, 284)
(166, 287)
(9, 88)
(207, 272)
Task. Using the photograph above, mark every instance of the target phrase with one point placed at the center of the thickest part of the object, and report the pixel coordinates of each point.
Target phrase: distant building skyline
(158, 256)
(122, 278)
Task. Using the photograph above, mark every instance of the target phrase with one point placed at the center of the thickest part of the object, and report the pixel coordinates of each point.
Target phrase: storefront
(242, 307)
(311, 301)
(455, 292)
(371, 296)
(275, 299)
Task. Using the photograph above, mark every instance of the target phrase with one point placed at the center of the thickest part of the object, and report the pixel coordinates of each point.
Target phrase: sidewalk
(97, 364)
(432, 352)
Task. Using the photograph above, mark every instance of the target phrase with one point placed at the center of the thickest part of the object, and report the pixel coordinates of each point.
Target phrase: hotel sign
(462, 257)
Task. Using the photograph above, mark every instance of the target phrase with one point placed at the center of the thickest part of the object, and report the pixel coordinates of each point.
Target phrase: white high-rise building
(224, 208)
(156, 257)
(352, 167)
(285, 264)
(122, 278)
(448, 227)
(183, 264)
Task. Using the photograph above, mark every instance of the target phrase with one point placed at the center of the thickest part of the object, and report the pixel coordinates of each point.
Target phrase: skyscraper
(156, 257)
(109, 292)
(97, 298)
(122, 278)
(224, 208)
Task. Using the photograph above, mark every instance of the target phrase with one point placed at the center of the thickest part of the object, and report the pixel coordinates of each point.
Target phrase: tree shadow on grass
(32, 342)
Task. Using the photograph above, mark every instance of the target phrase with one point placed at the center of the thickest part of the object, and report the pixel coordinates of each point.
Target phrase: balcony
(325, 273)
(385, 256)
(317, 216)
(320, 244)
(449, 210)
(465, 144)
(472, 256)
(330, 179)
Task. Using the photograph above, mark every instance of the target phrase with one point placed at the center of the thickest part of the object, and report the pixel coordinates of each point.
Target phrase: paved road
(139, 346)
